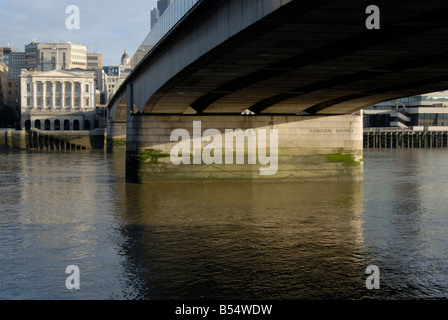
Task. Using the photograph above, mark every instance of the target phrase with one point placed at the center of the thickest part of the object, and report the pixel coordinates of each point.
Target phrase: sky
(106, 27)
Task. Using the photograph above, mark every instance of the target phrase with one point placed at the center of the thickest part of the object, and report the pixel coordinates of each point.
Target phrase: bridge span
(302, 68)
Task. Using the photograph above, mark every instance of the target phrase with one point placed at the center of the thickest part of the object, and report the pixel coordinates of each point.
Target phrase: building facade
(11, 94)
(9, 90)
(17, 62)
(53, 56)
(156, 13)
(115, 75)
(5, 54)
(422, 111)
(58, 100)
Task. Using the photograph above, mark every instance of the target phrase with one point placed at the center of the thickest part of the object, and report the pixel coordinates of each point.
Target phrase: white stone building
(114, 76)
(58, 100)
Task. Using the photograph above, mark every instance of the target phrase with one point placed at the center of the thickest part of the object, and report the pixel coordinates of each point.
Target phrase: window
(87, 88)
(57, 125)
(87, 125)
(27, 124)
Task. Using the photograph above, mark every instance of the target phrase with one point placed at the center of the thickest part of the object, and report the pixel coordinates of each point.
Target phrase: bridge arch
(306, 65)
(265, 56)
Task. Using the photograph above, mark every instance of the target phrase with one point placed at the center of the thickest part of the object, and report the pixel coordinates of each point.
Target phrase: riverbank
(49, 140)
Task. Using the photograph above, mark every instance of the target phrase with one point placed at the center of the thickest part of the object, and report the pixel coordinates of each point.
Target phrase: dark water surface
(222, 241)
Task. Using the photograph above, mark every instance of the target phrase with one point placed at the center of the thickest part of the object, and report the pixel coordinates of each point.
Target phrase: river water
(222, 241)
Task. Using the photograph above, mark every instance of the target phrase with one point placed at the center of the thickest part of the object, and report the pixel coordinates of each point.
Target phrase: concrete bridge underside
(288, 61)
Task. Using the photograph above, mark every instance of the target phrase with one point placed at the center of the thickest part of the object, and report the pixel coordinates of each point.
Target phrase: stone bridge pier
(199, 148)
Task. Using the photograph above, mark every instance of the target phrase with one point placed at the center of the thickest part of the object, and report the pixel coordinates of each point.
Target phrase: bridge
(304, 68)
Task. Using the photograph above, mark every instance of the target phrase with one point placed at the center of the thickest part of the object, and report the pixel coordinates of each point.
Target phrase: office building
(421, 111)
(53, 56)
(115, 75)
(156, 13)
(5, 53)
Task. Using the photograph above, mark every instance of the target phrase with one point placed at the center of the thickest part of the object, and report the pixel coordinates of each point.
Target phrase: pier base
(309, 148)
(116, 136)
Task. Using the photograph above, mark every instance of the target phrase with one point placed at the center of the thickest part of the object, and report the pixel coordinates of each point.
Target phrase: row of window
(58, 103)
(80, 50)
(423, 98)
(58, 125)
(433, 116)
(68, 87)
(10, 100)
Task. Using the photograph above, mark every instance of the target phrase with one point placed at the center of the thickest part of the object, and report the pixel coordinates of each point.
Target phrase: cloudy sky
(107, 27)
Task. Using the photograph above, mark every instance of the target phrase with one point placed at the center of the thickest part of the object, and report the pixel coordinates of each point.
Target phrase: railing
(172, 15)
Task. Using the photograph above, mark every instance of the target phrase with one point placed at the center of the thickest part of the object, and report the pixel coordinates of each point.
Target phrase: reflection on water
(406, 221)
(220, 241)
(245, 240)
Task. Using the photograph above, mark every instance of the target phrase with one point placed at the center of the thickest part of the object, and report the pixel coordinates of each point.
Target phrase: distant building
(9, 87)
(115, 75)
(426, 110)
(5, 53)
(156, 13)
(3, 80)
(11, 94)
(53, 56)
(17, 62)
(58, 100)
